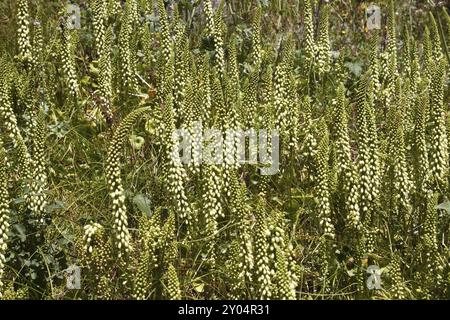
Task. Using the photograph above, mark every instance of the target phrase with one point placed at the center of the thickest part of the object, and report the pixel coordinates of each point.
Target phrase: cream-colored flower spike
(116, 191)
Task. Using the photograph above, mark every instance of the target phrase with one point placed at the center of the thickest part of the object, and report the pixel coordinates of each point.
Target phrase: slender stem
(441, 32)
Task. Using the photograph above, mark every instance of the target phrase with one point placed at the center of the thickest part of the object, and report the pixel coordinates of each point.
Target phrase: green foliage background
(87, 180)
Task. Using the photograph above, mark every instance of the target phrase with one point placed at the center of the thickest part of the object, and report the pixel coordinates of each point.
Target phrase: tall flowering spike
(203, 93)
(323, 41)
(276, 236)
(191, 112)
(193, 123)
(432, 262)
(150, 242)
(438, 134)
(421, 163)
(52, 82)
(233, 73)
(92, 233)
(4, 213)
(126, 46)
(147, 46)
(218, 101)
(212, 207)
(280, 98)
(322, 183)
(38, 169)
(310, 47)
(240, 216)
(105, 76)
(401, 185)
(435, 38)
(282, 86)
(9, 119)
(256, 38)
(166, 77)
(214, 29)
(172, 284)
(23, 33)
(282, 280)
(293, 115)
(133, 11)
(374, 58)
(236, 277)
(38, 45)
(221, 26)
(175, 171)
(114, 180)
(233, 66)
(113, 8)
(406, 54)
(68, 45)
(232, 137)
(25, 161)
(325, 255)
(267, 120)
(208, 10)
(262, 275)
(346, 170)
(181, 78)
(99, 10)
(391, 35)
(231, 126)
(142, 280)
(384, 65)
(26, 98)
(267, 89)
(373, 137)
(427, 55)
(95, 254)
(6, 102)
(288, 53)
(222, 31)
(168, 237)
(415, 76)
(368, 190)
(103, 43)
(250, 103)
(38, 147)
(164, 29)
(398, 287)
(392, 77)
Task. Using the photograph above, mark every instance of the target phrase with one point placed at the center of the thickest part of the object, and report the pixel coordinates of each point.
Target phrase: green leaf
(93, 69)
(21, 230)
(143, 204)
(354, 67)
(86, 80)
(199, 287)
(137, 142)
(444, 206)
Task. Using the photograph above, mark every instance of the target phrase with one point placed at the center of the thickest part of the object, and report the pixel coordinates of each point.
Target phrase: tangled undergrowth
(91, 176)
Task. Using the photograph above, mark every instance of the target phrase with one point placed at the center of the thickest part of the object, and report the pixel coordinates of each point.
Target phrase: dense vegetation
(88, 175)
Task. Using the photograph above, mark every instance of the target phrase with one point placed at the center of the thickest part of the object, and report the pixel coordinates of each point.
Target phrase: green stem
(441, 33)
